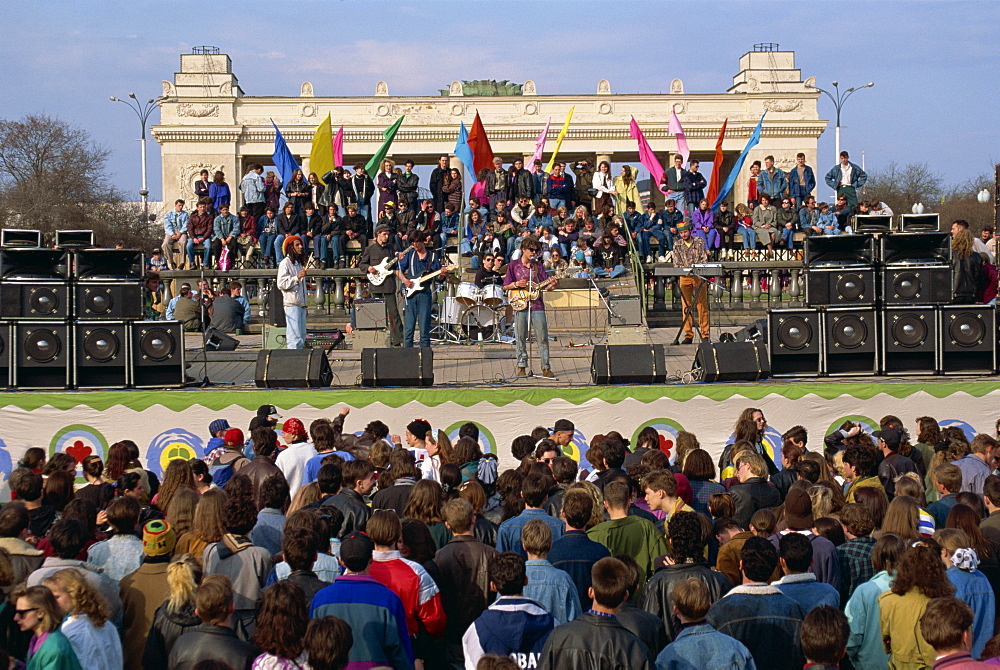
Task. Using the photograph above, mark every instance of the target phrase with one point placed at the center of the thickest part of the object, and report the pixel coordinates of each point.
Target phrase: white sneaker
(668, 257)
(649, 259)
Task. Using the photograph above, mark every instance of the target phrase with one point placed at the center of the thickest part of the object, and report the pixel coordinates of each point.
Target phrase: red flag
(482, 152)
(713, 182)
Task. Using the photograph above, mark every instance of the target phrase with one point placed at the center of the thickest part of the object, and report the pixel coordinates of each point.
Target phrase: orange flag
(482, 152)
(713, 182)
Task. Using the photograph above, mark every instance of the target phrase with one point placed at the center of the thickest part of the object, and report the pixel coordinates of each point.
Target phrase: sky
(933, 62)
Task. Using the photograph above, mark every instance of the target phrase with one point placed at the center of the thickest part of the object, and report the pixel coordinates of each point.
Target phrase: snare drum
(451, 311)
(469, 294)
(477, 322)
(493, 295)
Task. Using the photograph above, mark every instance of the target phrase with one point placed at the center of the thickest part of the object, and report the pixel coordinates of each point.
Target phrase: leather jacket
(752, 495)
(656, 598)
(592, 640)
(352, 505)
(217, 643)
(259, 469)
(464, 583)
(167, 627)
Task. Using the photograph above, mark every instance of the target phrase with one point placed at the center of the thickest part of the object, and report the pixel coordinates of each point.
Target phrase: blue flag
(464, 152)
(735, 172)
(282, 157)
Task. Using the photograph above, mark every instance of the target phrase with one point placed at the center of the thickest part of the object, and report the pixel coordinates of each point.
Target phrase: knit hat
(419, 428)
(684, 225)
(217, 425)
(293, 427)
(288, 241)
(158, 538)
(234, 437)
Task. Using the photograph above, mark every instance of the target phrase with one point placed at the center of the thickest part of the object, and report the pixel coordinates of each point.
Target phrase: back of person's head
(14, 519)
(273, 492)
(213, 599)
(656, 460)
(300, 548)
(123, 514)
(183, 576)
(494, 662)
(609, 582)
(328, 643)
(861, 459)
(614, 453)
(536, 537)
(577, 508)
(857, 519)
(635, 574)
(691, 598)
(824, 635)
(26, 484)
(686, 537)
(796, 550)
(93, 466)
(944, 624)
(618, 496)
(357, 470)
(887, 551)
(754, 461)
(758, 559)
(698, 465)
(329, 479)
(458, 515)
(808, 470)
(384, 528)
(949, 476)
(991, 490)
(265, 440)
(535, 489)
(524, 445)
(564, 470)
(67, 537)
(763, 522)
(240, 515)
(402, 463)
(507, 573)
(921, 568)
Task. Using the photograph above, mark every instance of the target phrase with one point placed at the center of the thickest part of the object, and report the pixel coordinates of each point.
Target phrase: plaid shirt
(686, 255)
(855, 564)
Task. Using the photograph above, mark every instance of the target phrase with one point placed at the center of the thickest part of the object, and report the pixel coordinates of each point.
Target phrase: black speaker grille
(42, 345)
(851, 286)
(101, 345)
(909, 330)
(43, 301)
(98, 301)
(156, 344)
(794, 333)
(967, 329)
(906, 285)
(849, 332)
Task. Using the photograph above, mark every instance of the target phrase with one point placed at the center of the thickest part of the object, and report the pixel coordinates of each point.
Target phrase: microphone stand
(611, 312)
(205, 382)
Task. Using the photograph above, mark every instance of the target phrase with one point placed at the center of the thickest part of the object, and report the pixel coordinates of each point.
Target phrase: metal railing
(746, 286)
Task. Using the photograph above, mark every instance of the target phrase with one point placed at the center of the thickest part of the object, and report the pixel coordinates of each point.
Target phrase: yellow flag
(562, 136)
(321, 156)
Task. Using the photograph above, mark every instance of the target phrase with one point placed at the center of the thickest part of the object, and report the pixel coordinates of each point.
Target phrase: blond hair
(85, 598)
(536, 537)
(183, 575)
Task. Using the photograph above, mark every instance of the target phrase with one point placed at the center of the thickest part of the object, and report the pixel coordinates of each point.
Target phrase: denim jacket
(773, 186)
(176, 223)
(226, 226)
(765, 620)
(701, 646)
(800, 192)
(858, 176)
(647, 223)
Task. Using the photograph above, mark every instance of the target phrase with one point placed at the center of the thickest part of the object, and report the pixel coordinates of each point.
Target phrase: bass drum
(494, 296)
(477, 322)
(451, 311)
(469, 294)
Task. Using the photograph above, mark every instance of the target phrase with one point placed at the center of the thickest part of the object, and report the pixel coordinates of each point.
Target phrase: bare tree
(901, 187)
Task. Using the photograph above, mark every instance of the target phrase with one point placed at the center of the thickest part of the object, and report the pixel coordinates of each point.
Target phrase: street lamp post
(142, 110)
(839, 98)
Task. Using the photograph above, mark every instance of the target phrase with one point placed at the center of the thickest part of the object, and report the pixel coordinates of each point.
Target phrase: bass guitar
(520, 298)
(385, 269)
(418, 283)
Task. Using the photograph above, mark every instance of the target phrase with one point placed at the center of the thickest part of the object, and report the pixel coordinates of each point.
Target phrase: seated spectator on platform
(215, 639)
(824, 638)
(225, 233)
(228, 315)
(609, 258)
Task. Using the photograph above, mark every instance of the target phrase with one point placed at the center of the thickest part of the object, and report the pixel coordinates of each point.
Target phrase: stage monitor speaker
(35, 300)
(840, 286)
(916, 285)
(274, 337)
(74, 239)
(108, 300)
(872, 223)
(101, 354)
(731, 362)
(626, 310)
(42, 354)
(293, 368)
(413, 366)
(15, 237)
(968, 339)
(909, 341)
(822, 250)
(216, 340)
(30, 264)
(274, 307)
(157, 354)
(104, 264)
(628, 364)
(850, 342)
(370, 314)
(5, 355)
(919, 222)
(915, 249)
(794, 338)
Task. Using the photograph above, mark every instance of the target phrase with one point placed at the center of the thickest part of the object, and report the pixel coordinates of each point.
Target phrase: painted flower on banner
(487, 442)
(970, 432)
(6, 464)
(79, 441)
(667, 430)
(171, 445)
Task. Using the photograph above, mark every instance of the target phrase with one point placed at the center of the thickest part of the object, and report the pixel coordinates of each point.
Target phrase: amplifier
(332, 339)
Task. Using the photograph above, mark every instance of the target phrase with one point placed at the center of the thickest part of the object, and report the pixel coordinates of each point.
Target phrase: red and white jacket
(415, 587)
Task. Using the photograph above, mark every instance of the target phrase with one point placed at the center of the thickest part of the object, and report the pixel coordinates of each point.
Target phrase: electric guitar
(418, 283)
(385, 269)
(520, 298)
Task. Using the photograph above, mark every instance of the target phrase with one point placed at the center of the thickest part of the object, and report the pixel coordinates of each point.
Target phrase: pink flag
(539, 146)
(646, 155)
(338, 148)
(682, 143)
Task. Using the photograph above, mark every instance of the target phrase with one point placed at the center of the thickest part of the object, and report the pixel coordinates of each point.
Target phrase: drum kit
(475, 314)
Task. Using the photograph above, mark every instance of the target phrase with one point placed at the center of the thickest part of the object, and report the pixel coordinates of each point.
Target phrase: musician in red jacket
(521, 274)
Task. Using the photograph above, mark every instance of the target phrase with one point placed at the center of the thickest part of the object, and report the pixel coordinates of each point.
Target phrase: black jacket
(352, 505)
(293, 225)
(309, 582)
(595, 642)
(522, 184)
(217, 643)
(752, 495)
(394, 497)
(167, 627)
(643, 625)
(464, 582)
(485, 531)
(656, 597)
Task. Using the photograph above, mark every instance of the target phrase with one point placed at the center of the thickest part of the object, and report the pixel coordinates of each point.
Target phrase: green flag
(389, 134)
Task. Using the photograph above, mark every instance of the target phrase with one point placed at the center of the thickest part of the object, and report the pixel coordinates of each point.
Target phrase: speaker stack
(880, 305)
(72, 317)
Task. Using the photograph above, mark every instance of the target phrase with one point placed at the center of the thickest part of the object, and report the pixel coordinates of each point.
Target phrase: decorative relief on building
(168, 89)
(197, 110)
(186, 177)
(528, 88)
(677, 87)
(604, 87)
(783, 105)
(308, 110)
(306, 90)
(381, 88)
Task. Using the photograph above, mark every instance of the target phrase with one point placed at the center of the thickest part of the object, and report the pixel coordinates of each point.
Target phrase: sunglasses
(21, 613)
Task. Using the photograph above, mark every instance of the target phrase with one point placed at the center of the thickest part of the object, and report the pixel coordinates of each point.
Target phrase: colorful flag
(559, 139)
(676, 130)
(282, 157)
(338, 148)
(713, 182)
(389, 134)
(463, 152)
(482, 152)
(540, 146)
(735, 172)
(646, 155)
(321, 155)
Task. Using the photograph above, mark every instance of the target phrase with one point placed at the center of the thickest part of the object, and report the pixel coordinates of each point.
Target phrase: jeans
(418, 311)
(513, 244)
(749, 238)
(678, 198)
(337, 246)
(323, 246)
(788, 237)
(616, 271)
(541, 328)
(206, 257)
(645, 249)
(556, 203)
(278, 254)
(364, 210)
(295, 331)
(267, 244)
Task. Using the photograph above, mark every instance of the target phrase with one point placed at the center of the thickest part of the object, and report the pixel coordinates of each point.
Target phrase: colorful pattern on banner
(174, 424)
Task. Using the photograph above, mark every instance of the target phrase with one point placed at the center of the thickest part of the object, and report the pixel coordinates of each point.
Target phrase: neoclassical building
(207, 121)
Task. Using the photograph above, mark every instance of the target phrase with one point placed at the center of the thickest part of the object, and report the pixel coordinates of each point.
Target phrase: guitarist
(415, 263)
(374, 254)
(527, 269)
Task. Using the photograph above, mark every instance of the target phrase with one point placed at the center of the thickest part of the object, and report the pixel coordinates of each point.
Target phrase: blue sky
(933, 63)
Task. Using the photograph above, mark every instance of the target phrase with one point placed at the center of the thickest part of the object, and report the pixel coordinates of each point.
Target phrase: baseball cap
(356, 551)
(234, 437)
(158, 538)
(268, 410)
(217, 425)
(563, 424)
(891, 436)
